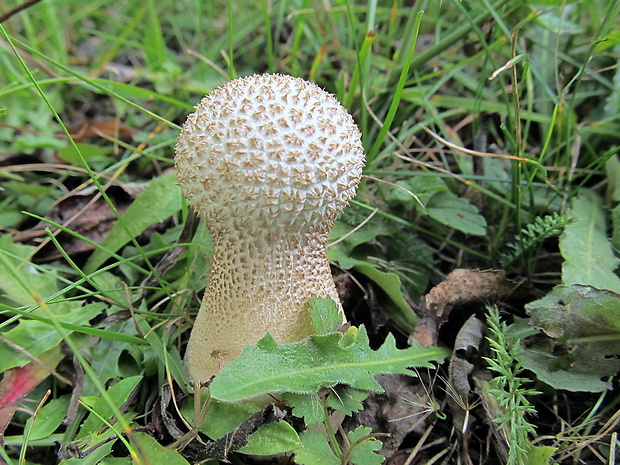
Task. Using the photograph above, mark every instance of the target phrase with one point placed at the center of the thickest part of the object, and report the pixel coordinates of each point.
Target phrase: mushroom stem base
(258, 284)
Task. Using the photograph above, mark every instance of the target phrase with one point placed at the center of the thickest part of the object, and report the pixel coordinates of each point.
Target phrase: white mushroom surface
(269, 162)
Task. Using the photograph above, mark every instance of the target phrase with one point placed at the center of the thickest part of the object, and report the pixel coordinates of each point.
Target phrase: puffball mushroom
(268, 161)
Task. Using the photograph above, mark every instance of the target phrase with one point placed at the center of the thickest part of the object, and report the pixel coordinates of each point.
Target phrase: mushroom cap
(269, 149)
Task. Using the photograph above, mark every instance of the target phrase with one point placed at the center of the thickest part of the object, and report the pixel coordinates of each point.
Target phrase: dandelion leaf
(314, 363)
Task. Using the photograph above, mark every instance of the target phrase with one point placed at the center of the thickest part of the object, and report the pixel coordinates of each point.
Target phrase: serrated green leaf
(540, 455)
(588, 257)
(306, 406)
(346, 399)
(150, 451)
(456, 212)
(314, 363)
(315, 450)
(275, 438)
(365, 451)
(324, 315)
(160, 200)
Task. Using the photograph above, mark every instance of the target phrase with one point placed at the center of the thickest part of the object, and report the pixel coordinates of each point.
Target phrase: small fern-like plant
(508, 388)
(532, 235)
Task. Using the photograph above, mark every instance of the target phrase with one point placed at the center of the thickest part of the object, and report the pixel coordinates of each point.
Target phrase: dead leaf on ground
(466, 348)
(462, 286)
(105, 128)
(19, 381)
(87, 216)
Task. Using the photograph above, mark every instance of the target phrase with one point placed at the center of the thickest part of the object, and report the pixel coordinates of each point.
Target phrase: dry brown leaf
(87, 216)
(108, 128)
(462, 286)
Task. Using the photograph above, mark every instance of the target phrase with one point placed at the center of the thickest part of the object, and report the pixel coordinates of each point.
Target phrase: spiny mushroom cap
(269, 149)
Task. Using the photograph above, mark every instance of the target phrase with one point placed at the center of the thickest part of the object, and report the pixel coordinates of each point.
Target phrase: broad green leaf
(119, 393)
(324, 315)
(588, 257)
(36, 337)
(275, 438)
(33, 141)
(48, 418)
(222, 418)
(20, 280)
(364, 452)
(425, 187)
(391, 284)
(160, 200)
(612, 166)
(306, 406)
(456, 212)
(149, 451)
(351, 238)
(167, 356)
(402, 193)
(88, 151)
(115, 461)
(315, 450)
(583, 325)
(615, 218)
(343, 253)
(106, 356)
(314, 363)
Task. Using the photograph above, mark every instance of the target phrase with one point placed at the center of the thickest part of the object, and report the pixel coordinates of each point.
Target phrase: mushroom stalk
(247, 298)
(268, 162)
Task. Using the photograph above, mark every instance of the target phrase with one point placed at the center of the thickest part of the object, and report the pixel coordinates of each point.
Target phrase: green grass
(509, 108)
